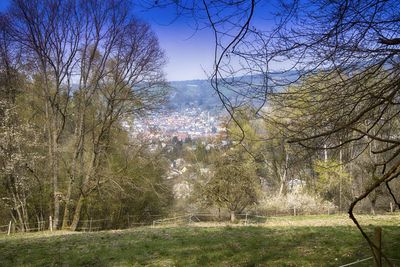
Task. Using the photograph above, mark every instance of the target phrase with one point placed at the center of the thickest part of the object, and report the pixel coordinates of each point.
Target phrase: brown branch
(386, 41)
(390, 175)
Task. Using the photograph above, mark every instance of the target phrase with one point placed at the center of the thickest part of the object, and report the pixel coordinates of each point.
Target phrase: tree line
(71, 72)
(353, 49)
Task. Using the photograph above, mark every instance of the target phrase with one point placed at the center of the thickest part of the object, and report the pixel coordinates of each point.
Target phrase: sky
(189, 52)
(188, 55)
(4, 4)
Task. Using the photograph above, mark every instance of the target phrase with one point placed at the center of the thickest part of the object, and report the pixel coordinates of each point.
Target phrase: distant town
(186, 123)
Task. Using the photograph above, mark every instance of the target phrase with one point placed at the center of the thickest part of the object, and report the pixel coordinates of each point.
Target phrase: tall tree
(90, 65)
(48, 33)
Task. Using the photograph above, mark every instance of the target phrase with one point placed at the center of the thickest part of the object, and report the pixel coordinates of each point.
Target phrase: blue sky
(3, 4)
(189, 52)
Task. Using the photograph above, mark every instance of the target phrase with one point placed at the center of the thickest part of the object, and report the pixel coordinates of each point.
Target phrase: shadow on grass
(220, 246)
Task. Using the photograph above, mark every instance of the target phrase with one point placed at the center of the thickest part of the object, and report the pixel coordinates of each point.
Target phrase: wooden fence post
(391, 207)
(9, 228)
(51, 224)
(378, 249)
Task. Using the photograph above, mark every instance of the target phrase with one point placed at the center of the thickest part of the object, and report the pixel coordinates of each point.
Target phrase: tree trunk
(340, 181)
(67, 205)
(85, 188)
(79, 135)
(55, 181)
(77, 213)
(283, 177)
(233, 216)
(53, 147)
(373, 204)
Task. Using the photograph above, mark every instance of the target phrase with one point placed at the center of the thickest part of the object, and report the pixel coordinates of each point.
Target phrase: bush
(302, 202)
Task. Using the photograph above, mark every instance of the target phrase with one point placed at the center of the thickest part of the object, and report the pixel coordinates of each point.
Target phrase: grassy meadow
(280, 241)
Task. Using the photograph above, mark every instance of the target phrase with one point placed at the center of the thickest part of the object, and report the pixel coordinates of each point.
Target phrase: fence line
(98, 224)
(125, 221)
(177, 217)
(362, 260)
(356, 262)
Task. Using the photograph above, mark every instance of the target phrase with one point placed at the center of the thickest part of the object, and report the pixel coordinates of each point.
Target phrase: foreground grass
(289, 244)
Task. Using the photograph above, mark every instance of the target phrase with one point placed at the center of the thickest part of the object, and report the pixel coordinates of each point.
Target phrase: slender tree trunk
(24, 211)
(67, 205)
(79, 134)
(283, 177)
(281, 187)
(20, 219)
(77, 154)
(55, 185)
(233, 216)
(86, 189)
(53, 148)
(340, 181)
(373, 206)
(18, 205)
(77, 213)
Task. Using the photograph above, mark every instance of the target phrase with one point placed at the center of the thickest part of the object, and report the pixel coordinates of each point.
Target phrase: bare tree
(120, 75)
(48, 33)
(351, 49)
(94, 65)
(12, 136)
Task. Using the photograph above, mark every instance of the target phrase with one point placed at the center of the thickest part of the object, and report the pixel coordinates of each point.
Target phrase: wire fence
(367, 259)
(130, 221)
(378, 257)
(91, 225)
(137, 220)
(356, 262)
(240, 219)
(88, 225)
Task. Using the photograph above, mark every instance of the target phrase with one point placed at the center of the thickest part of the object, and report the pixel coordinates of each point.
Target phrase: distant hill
(199, 93)
(193, 93)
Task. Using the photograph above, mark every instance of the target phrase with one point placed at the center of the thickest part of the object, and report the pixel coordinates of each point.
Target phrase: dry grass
(279, 241)
(391, 219)
(336, 220)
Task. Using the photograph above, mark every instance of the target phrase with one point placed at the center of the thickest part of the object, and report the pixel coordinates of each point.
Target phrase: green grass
(286, 245)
